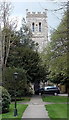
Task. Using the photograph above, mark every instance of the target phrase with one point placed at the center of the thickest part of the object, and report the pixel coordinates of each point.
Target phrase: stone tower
(37, 22)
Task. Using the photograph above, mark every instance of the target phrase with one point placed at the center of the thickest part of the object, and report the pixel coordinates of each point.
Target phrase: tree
(0, 56)
(26, 58)
(7, 30)
(9, 81)
(59, 48)
(26, 36)
(5, 100)
(56, 53)
(22, 53)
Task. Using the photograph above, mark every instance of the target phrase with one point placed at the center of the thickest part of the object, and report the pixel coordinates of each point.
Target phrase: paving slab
(62, 94)
(36, 109)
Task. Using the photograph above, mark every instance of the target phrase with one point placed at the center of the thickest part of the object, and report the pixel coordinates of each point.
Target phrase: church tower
(37, 22)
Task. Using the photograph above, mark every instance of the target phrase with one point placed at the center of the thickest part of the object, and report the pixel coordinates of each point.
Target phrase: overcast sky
(53, 18)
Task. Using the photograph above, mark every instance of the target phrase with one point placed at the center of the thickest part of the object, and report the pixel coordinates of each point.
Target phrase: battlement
(36, 14)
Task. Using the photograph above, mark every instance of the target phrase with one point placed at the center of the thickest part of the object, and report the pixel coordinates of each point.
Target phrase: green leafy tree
(23, 53)
(26, 36)
(56, 53)
(26, 58)
(9, 82)
(5, 100)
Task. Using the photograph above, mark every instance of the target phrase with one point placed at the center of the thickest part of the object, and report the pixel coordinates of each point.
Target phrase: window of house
(33, 27)
(40, 27)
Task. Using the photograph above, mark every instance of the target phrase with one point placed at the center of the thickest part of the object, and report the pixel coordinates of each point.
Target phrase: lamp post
(15, 108)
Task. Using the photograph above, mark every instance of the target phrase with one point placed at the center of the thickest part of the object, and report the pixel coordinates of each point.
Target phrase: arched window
(33, 27)
(39, 26)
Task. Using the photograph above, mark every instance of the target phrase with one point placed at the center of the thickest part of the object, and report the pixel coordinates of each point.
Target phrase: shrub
(11, 84)
(4, 99)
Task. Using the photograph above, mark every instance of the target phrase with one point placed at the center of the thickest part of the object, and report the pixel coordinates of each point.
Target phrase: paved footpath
(36, 109)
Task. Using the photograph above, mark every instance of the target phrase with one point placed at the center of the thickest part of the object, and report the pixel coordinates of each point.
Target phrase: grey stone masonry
(37, 22)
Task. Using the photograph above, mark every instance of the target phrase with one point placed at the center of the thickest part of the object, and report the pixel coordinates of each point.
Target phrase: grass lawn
(55, 99)
(22, 99)
(57, 110)
(20, 107)
(26, 99)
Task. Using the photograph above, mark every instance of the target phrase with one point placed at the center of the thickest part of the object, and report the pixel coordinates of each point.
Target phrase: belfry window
(33, 27)
(40, 27)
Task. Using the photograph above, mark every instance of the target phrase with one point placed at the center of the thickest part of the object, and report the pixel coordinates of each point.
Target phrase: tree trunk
(1, 60)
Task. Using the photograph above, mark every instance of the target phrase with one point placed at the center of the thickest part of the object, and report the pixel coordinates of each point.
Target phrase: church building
(37, 22)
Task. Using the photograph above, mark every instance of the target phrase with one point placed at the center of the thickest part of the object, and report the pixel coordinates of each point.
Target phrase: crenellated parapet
(36, 14)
